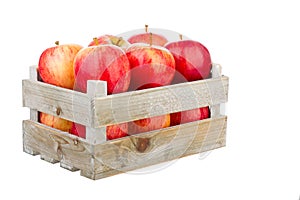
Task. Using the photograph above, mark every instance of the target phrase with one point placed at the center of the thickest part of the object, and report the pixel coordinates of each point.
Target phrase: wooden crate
(97, 157)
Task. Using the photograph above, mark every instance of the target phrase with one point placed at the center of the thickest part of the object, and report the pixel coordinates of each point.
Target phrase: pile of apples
(144, 60)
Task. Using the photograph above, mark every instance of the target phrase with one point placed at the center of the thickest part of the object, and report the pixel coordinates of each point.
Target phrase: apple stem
(119, 40)
(151, 39)
(180, 36)
(57, 43)
(146, 28)
(96, 41)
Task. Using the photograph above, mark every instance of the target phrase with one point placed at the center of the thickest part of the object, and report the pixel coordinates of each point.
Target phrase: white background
(258, 45)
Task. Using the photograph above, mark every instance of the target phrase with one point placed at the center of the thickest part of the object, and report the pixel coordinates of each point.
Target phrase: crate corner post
(95, 88)
(33, 75)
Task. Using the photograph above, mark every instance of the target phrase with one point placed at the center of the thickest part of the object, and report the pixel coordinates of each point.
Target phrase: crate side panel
(155, 147)
(214, 138)
(57, 145)
(141, 104)
(56, 101)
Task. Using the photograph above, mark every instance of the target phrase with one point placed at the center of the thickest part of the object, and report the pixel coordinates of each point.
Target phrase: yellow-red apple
(56, 68)
(56, 65)
(151, 66)
(148, 124)
(55, 122)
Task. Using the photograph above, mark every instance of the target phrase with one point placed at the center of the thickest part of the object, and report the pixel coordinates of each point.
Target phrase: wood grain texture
(95, 89)
(129, 106)
(216, 72)
(71, 151)
(33, 75)
(124, 154)
(97, 110)
(34, 115)
(97, 158)
(47, 98)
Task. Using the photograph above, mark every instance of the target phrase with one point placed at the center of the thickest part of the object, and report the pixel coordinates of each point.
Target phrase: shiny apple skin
(151, 66)
(56, 65)
(55, 122)
(148, 124)
(112, 132)
(103, 62)
(107, 63)
(189, 116)
(192, 59)
(56, 68)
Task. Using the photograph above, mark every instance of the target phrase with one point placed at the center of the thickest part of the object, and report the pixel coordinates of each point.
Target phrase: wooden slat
(33, 75)
(47, 98)
(34, 115)
(126, 154)
(216, 72)
(141, 104)
(124, 107)
(95, 89)
(52, 144)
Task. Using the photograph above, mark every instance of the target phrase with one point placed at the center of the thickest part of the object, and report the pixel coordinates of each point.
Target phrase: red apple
(56, 68)
(112, 132)
(148, 38)
(117, 131)
(189, 116)
(55, 122)
(157, 39)
(78, 130)
(103, 62)
(193, 62)
(110, 39)
(148, 124)
(56, 65)
(151, 66)
(192, 59)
